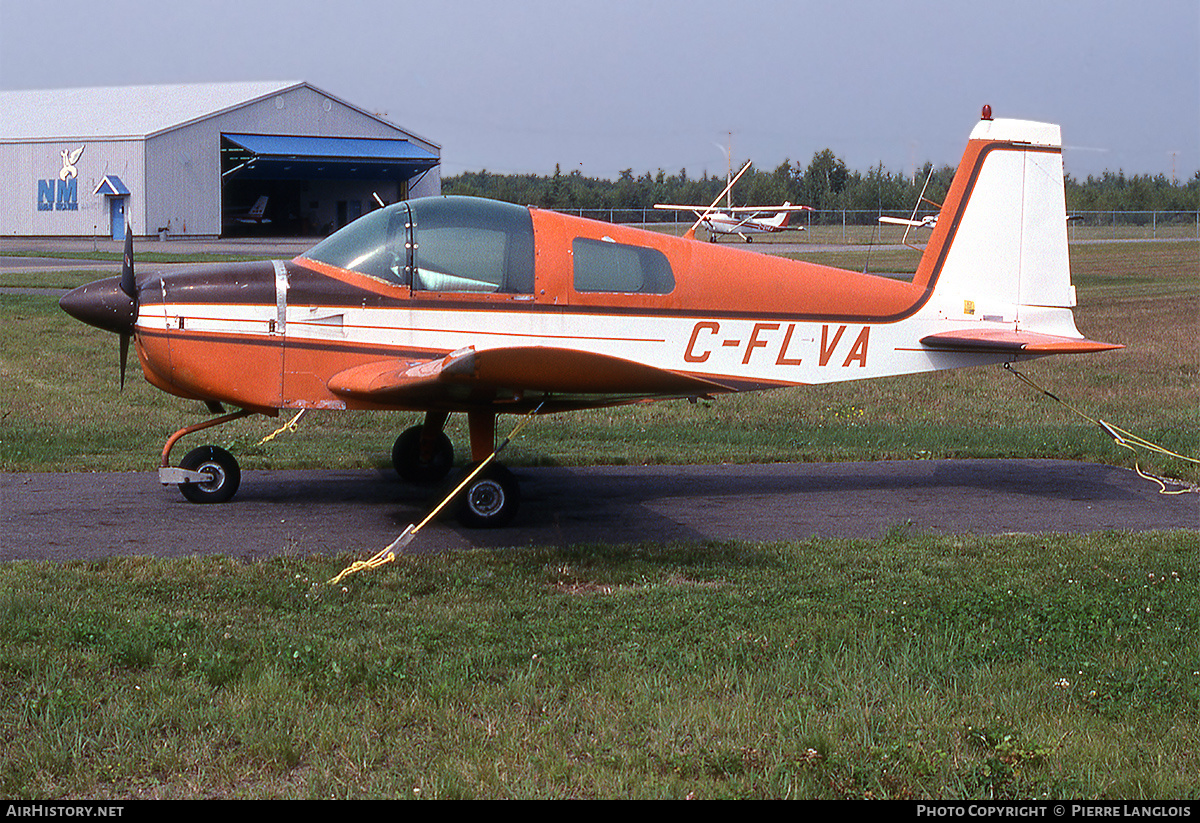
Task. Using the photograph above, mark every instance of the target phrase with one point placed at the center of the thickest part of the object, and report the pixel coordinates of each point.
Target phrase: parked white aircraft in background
(740, 220)
(743, 221)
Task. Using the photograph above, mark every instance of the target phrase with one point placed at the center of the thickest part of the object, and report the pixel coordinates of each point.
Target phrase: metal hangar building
(200, 160)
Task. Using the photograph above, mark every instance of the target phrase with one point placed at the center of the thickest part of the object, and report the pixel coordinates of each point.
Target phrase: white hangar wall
(169, 160)
(41, 199)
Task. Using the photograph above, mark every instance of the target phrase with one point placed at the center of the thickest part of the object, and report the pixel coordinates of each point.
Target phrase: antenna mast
(729, 172)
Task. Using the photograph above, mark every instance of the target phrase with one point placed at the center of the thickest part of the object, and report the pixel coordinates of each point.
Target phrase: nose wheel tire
(490, 500)
(219, 465)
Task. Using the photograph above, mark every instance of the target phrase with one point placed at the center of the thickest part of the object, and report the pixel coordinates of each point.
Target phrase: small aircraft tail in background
(257, 214)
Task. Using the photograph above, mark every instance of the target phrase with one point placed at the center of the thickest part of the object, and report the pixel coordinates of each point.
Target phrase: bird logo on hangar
(62, 194)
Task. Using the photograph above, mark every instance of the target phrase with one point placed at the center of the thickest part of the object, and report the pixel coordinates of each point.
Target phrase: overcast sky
(519, 85)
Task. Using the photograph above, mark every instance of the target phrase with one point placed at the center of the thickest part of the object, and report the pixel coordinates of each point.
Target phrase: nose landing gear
(208, 474)
(222, 471)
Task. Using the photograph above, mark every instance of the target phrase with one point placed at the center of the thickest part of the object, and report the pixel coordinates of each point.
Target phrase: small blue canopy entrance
(118, 197)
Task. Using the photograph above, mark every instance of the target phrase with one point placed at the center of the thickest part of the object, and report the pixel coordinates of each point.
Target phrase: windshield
(372, 245)
(460, 244)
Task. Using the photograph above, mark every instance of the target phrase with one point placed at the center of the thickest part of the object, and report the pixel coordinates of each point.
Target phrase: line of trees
(825, 183)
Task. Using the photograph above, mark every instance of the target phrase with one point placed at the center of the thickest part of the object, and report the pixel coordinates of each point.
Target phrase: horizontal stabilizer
(1017, 342)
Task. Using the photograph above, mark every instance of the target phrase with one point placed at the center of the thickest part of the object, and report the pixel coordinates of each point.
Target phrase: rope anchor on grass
(1123, 439)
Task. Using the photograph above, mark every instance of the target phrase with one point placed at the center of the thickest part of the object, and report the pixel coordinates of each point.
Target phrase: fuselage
(272, 334)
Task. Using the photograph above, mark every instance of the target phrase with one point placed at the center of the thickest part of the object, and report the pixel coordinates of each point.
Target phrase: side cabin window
(445, 244)
(608, 266)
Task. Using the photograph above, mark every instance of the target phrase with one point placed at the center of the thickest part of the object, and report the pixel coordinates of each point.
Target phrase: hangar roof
(130, 111)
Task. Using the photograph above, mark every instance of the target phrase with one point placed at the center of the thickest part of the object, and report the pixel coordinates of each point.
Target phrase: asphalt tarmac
(64, 517)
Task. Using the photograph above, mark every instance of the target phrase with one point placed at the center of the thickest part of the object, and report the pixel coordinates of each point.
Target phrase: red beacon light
(987, 113)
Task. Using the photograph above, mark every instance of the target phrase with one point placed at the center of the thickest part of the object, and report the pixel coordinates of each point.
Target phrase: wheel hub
(486, 498)
(217, 475)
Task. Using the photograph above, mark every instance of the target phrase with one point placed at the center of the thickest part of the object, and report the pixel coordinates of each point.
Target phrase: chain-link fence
(1081, 225)
(1134, 225)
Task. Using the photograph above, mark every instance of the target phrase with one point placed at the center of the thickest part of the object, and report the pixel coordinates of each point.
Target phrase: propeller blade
(129, 286)
(128, 281)
(124, 356)
(110, 304)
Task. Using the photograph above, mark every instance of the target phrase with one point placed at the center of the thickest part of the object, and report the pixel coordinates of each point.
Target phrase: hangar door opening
(295, 186)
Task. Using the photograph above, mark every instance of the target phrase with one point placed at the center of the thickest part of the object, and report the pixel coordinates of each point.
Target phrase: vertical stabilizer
(1001, 238)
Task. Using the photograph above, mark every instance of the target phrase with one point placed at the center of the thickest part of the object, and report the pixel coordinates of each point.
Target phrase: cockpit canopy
(459, 244)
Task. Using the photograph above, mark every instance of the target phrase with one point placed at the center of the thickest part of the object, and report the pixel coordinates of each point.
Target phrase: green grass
(54, 278)
(911, 667)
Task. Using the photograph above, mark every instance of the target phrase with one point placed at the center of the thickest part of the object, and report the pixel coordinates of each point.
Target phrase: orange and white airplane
(453, 304)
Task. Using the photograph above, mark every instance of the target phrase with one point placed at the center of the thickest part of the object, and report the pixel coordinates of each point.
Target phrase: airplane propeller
(109, 304)
(129, 287)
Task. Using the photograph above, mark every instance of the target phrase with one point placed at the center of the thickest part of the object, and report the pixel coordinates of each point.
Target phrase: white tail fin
(1001, 238)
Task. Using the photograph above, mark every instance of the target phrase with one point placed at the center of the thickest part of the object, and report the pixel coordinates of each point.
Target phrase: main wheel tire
(490, 500)
(217, 464)
(406, 457)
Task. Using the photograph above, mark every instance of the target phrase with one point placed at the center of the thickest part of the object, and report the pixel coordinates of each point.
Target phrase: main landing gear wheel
(490, 500)
(219, 465)
(422, 464)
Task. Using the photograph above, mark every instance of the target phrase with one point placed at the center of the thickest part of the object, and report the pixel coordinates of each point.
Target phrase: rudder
(999, 250)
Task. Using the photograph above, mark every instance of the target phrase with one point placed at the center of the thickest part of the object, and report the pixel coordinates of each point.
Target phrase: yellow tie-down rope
(388, 554)
(1125, 440)
(289, 426)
